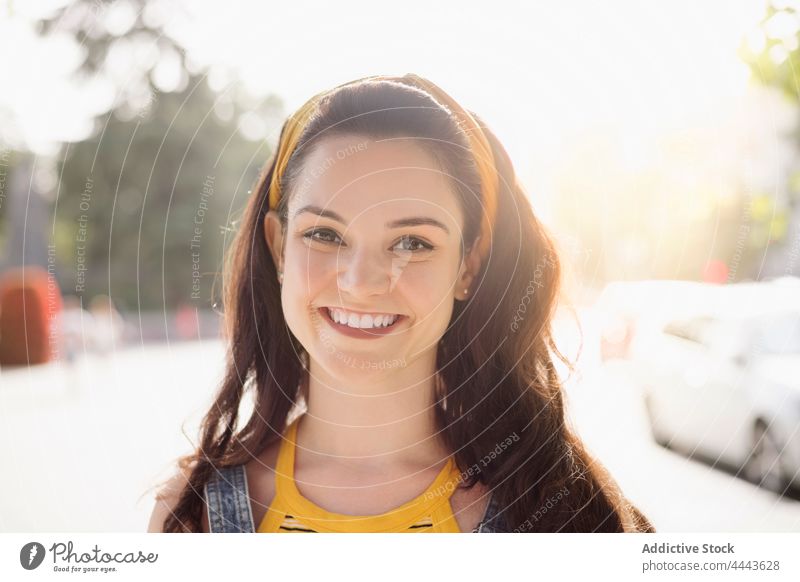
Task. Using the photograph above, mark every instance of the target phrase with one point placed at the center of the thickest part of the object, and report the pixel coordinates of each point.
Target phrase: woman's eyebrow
(412, 221)
(320, 212)
(417, 221)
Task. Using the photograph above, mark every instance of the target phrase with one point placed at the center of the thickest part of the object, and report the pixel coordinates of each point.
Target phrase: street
(84, 442)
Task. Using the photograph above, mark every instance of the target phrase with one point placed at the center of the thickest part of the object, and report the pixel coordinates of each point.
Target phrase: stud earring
(466, 291)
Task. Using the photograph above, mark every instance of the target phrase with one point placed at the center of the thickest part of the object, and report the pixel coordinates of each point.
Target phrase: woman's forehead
(354, 175)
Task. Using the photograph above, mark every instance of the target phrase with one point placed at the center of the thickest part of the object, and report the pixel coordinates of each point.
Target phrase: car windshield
(779, 334)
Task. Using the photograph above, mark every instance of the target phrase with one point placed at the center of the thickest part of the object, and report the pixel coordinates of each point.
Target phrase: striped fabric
(291, 525)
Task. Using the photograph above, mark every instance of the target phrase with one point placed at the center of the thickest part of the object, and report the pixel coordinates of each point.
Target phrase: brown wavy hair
(496, 380)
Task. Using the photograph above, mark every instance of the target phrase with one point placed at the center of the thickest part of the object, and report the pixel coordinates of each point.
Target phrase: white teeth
(366, 321)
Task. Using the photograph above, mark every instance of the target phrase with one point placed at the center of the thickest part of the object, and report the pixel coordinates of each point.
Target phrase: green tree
(772, 51)
(146, 205)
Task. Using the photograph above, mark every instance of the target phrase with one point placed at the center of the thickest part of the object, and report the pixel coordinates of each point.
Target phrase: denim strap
(228, 501)
(492, 521)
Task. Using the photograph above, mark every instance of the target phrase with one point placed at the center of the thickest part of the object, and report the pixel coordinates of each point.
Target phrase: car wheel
(763, 466)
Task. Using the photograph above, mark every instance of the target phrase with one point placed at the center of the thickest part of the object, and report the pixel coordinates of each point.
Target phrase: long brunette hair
(500, 405)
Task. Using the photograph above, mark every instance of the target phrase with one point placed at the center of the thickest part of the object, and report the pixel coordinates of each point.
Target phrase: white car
(721, 376)
(628, 307)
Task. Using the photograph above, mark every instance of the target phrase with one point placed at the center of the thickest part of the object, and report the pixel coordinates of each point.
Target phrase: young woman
(388, 305)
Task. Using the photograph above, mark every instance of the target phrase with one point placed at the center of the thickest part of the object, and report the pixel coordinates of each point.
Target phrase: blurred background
(657, 140)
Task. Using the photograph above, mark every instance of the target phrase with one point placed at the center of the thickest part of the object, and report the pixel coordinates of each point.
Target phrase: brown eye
(413, 244)
(323, 235)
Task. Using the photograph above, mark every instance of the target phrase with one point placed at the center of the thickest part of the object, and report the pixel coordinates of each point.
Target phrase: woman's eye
(413, 244)
(405, 244)
(322, 235)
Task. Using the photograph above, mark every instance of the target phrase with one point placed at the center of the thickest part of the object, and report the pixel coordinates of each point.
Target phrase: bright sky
(539, 73)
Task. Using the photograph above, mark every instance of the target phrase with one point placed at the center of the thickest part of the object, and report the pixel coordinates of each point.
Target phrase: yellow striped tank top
(290, 512)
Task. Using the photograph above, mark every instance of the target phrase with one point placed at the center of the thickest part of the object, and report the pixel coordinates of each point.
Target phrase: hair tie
(479, 146)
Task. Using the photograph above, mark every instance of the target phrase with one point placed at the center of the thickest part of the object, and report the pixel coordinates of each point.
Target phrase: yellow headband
(479, 145)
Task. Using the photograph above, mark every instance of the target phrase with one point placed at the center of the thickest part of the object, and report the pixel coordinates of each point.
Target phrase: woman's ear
(273, 234)
(470, 267)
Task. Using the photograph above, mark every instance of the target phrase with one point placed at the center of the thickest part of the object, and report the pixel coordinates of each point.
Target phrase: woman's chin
(349, 363)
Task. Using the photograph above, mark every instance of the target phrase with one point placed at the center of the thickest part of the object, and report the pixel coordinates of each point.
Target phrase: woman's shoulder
(257, 475)
(166, 500)
(260, 476)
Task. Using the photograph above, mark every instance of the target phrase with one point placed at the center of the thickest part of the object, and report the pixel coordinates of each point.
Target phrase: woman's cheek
(310, 268)
(428, 285)
(318, 266)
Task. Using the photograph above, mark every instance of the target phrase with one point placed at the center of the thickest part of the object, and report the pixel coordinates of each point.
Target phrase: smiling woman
(389, 301)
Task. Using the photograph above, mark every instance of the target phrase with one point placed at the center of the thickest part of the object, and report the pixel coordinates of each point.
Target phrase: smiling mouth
(362, 320)
(360, 324)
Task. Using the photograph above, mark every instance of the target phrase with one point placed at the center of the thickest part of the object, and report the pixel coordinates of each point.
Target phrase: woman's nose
(363, 274)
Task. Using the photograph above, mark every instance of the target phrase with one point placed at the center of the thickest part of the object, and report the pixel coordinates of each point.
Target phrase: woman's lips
(371, 333)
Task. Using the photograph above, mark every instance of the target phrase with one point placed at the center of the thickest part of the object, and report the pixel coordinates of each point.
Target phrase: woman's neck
(372, 422)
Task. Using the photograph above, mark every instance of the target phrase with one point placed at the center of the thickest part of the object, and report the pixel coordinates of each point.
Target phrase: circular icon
(31, 555)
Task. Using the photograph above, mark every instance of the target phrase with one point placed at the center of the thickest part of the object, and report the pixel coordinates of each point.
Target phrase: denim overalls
(229, 510)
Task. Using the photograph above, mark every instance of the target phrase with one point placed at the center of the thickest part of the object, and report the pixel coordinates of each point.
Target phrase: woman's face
(371, 255)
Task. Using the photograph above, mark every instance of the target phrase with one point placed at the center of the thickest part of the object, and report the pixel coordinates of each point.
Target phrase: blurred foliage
(136, 190)
(141, 187)
(771, 49)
